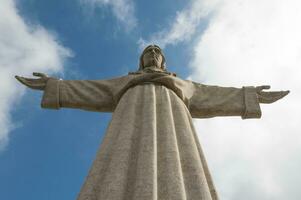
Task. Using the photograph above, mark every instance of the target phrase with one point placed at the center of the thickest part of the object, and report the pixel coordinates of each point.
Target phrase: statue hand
(269, 97)
(37, 84)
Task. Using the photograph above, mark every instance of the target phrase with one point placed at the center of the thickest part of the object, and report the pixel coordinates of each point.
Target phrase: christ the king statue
(151, 150)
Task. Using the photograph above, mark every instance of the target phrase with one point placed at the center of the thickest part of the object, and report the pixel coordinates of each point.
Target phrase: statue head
(152, 56)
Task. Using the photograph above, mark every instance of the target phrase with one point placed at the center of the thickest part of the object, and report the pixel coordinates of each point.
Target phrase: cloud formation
(122, 9)
(24, 48)
(184, 26)
(247, 42)
(253, 42)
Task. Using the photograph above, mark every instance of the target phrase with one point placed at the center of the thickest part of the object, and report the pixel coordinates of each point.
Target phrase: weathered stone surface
(150, 150)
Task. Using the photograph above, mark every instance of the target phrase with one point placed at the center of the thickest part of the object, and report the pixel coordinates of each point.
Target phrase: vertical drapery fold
(169, 163)
(144, 186)
(115, 152)
(149, 151)
(192, 167)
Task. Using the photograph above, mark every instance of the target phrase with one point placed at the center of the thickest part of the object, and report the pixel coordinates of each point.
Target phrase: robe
(150, 150)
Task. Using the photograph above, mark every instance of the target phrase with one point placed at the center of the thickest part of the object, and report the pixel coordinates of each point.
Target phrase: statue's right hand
(37, 84)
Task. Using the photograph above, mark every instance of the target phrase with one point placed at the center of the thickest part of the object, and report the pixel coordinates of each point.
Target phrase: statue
(150, 150)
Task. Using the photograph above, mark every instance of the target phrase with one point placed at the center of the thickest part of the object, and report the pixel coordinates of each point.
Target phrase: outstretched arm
(94, 95)
(212, 101)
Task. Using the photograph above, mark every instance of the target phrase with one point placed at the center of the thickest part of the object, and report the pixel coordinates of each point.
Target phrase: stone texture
(150, 150)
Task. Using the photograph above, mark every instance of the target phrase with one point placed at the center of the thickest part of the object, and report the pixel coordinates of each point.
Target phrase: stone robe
(150, 150)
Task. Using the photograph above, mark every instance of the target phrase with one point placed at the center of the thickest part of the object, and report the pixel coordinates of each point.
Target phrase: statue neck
(152, 69)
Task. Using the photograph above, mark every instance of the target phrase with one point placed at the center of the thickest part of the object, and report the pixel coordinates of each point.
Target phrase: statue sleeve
(212, 101)
(92, 95)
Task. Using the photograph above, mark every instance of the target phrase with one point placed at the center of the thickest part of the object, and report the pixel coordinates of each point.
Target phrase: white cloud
(24, 49)
(123, 10)
(247, 42)
(253, 42)
(184, 26)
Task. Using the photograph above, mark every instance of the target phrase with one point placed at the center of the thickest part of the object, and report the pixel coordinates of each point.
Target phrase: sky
(46, 154)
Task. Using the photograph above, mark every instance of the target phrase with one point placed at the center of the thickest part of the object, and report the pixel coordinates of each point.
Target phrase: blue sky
(46, 154)
(50, 152)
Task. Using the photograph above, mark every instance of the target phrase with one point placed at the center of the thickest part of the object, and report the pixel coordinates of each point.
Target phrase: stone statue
(150, 150)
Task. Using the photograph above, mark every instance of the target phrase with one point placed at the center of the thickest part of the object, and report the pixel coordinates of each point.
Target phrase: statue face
(152, 57)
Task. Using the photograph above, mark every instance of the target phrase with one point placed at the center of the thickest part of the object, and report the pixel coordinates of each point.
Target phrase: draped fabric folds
(150, 150)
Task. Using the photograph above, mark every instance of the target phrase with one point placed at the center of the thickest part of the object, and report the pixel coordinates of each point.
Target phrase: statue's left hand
(269, 97)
